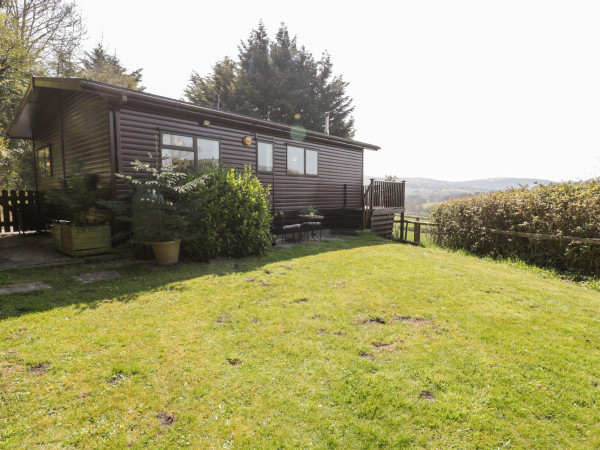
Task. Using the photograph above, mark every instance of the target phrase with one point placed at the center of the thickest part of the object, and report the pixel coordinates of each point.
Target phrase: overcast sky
(453, 90)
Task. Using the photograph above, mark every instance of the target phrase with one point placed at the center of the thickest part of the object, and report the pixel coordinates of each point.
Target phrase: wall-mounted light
(206, 123)
(247, 141)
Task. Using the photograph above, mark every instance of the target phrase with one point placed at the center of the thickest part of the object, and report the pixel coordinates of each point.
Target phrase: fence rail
(548, 237)
(416, 225)
(9, 203)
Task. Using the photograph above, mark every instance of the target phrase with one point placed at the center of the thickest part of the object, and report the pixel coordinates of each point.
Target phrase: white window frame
(304, 152)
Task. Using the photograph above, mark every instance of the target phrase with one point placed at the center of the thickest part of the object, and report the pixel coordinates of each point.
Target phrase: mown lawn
(352, 344)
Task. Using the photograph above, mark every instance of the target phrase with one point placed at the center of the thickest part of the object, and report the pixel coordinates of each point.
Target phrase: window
(295, 160)
(312, 162)
(265, 157)
(44, 162)
(301, 161)
(182, 152)
(207, 149)
(180, 159)
(177, 140)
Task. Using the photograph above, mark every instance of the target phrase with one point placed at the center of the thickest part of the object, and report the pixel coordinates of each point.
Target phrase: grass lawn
(351, 344)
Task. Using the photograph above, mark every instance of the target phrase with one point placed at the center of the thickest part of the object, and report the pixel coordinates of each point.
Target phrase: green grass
(352, 344)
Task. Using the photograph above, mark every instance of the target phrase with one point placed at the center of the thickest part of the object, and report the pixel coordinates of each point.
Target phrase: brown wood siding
(85, 134)
(49, 134)
(337, 165)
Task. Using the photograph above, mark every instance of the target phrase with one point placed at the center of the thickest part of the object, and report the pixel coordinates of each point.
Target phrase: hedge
(556, 209)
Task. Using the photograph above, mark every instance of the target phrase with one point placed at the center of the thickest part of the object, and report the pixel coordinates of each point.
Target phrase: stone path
(25, 287)
(40, 285)
(17, 250)
(97, 276)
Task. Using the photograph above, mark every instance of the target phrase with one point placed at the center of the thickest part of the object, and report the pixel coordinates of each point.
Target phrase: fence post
(401, 226)
(417, 231)
(371, 201)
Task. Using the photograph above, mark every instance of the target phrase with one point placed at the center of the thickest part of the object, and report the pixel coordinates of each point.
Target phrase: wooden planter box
(81, 241)
(57, 236)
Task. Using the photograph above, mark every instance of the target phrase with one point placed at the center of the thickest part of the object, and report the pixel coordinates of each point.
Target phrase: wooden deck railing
(382, 195)
(9, 202)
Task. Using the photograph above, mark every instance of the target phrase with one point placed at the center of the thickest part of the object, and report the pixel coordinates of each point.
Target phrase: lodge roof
(26, 114)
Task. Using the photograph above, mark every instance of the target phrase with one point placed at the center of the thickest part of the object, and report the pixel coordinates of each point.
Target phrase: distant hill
(422, 194)
(485, 184)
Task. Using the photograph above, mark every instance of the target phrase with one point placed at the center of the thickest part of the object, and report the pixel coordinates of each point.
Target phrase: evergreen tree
(99, 65)
(204, 90)
(280, 81)
(255, 75)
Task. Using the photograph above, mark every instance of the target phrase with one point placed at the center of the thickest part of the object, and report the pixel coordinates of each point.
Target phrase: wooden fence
(417, 223)
(548, 237)
(9, 202)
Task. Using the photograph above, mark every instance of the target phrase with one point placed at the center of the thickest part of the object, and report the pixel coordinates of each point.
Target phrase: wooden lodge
(76, 123)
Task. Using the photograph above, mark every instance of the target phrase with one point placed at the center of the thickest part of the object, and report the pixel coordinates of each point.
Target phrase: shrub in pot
(76, 196)
(156, 216)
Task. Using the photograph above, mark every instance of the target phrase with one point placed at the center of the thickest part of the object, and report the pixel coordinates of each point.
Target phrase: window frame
(50, 172)
(258, 169)
(193, 149)
(303, 174)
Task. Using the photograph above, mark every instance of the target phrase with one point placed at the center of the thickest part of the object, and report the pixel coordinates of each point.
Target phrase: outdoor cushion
(313, 224)
(289, 227)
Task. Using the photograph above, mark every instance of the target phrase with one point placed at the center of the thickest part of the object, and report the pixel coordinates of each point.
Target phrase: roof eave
(215, 113)
(10, 132)
(80, 84)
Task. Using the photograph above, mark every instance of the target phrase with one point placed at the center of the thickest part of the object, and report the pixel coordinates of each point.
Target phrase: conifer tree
(277, 80)
(99, 65)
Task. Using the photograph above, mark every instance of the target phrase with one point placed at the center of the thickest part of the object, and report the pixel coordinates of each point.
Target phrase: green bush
(78, 194)
(228, 214)
(557, 209)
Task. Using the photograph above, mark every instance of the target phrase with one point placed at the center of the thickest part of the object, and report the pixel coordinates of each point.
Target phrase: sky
(453, 90)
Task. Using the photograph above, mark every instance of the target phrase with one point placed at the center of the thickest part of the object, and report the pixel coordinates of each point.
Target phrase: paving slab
(97, 276)
(25, 287)
(30, 249)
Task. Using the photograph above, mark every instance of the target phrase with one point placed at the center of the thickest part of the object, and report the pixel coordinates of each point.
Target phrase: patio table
(307, 219)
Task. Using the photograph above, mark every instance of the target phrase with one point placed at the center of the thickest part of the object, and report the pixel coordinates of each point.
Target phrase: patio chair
(293, 228)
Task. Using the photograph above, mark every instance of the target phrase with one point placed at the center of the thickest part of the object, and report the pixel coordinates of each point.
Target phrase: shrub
(78, 194)
(228, 214)
(557, 209)
(152, 209)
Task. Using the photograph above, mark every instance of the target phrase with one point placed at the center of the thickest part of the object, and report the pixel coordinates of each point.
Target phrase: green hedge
(557, 209)
(228, 215)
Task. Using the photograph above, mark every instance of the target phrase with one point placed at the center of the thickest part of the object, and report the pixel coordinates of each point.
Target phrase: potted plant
(311, 210)
(156, 217)
(74, 199)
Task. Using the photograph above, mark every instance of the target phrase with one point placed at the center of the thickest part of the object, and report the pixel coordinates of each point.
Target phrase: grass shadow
(139, 277)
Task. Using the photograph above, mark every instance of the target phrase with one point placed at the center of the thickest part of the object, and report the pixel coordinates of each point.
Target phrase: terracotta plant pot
(166, 253)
